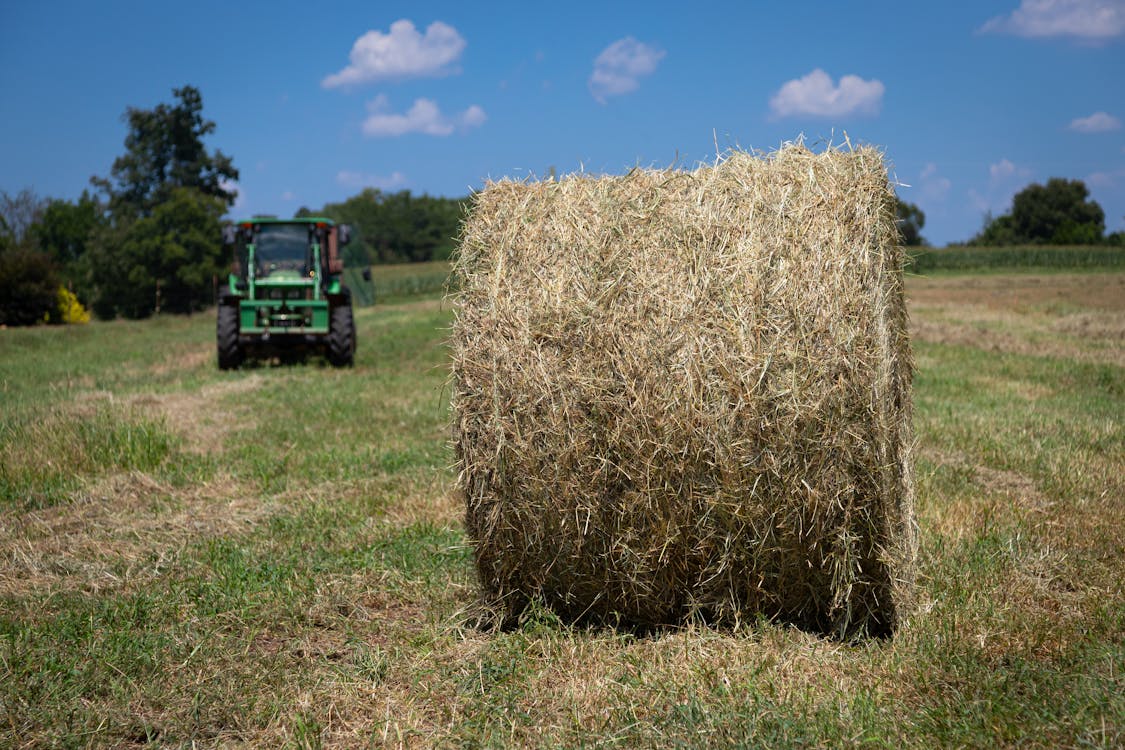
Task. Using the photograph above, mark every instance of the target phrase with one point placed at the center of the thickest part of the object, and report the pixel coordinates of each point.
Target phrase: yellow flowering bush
(70, 309)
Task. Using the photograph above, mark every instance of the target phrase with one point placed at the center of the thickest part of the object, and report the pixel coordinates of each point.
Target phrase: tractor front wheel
(341, 337)
(226, 334)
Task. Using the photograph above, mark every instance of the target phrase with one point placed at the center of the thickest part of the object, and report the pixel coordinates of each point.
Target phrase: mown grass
(274, 556)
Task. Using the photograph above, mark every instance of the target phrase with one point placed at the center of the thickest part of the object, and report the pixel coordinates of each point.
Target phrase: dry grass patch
(1019, 292)
(1026, 335)
(429, 501)
(119, 533)
(184, 358)
(1020, 489)
(204, 418)
(1094, 326)
(1070, 316)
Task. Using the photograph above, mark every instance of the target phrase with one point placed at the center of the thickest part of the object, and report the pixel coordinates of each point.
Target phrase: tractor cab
(284, 249)
(286, 293)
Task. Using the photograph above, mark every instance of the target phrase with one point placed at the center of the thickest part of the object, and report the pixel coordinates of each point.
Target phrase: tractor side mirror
(230, 234)
(345, 233)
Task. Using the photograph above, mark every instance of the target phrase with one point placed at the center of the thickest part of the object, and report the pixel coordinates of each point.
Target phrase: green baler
(285, 296)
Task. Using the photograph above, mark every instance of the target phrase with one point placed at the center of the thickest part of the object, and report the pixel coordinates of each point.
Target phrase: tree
(161, 244)
(1058, 213)
(1116, 239)
(29, 287)
(910, 220)
(64, 228)
(29, 283)
(997, 232)
(64, 231)
(165, 151)
(164, 262)
(19, 213)
(399, 227)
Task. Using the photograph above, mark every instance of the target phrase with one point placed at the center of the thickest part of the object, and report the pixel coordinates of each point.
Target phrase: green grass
(1037, 257)
(275, 557)
(392, 283)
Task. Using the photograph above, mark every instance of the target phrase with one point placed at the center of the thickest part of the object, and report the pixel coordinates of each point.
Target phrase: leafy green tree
(1058, 213)
(398, 227)
(164, 151)
(64, 232)
(167, 261)
(1116, 239)
(997, 232)
(161, 244)
(910, 220)
(64, 228)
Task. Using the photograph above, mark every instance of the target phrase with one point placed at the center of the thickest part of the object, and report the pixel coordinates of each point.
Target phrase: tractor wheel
(341, 337)
(226, 334)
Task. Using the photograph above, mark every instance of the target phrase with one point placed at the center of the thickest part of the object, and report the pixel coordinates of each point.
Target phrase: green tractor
(285, 297)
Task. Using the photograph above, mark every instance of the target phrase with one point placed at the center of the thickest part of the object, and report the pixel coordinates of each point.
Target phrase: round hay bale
(687, 394)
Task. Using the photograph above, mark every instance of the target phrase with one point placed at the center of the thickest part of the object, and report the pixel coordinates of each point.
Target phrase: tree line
(1060, 212)
(396, 227)
(146, 238)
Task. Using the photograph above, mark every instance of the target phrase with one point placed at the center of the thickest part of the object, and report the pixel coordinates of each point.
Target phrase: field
(275, 557)
(929, 259)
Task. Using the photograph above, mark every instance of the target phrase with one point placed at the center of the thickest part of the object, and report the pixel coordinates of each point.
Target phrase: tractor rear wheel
(341, 336)
(226, 335)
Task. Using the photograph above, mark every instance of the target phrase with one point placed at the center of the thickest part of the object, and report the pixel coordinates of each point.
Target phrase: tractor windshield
(282, 247)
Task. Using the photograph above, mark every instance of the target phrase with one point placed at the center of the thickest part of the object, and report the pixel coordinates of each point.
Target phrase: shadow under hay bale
(687, 394)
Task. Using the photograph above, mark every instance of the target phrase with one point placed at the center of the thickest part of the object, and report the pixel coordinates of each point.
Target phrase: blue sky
(971, 101)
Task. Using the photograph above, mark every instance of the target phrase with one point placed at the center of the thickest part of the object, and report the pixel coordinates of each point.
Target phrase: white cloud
(1105, 179)
(288, 195)
(401, 53)
(1005, 178)
(1090, 20)
(620, 66)
(473, 117)
(1004, 170)
(1001, 170)
(361, 180)
(424, 116)
(817, 95)
(1099, 122)
(934, 187)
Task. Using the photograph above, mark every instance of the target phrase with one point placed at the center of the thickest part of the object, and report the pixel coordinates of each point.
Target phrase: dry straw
(687, 394)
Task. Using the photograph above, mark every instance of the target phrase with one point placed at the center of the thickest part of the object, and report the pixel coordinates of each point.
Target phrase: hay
(687, 394)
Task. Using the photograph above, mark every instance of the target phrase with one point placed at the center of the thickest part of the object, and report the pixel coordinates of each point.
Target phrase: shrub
(70, 310)
(28, 287)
